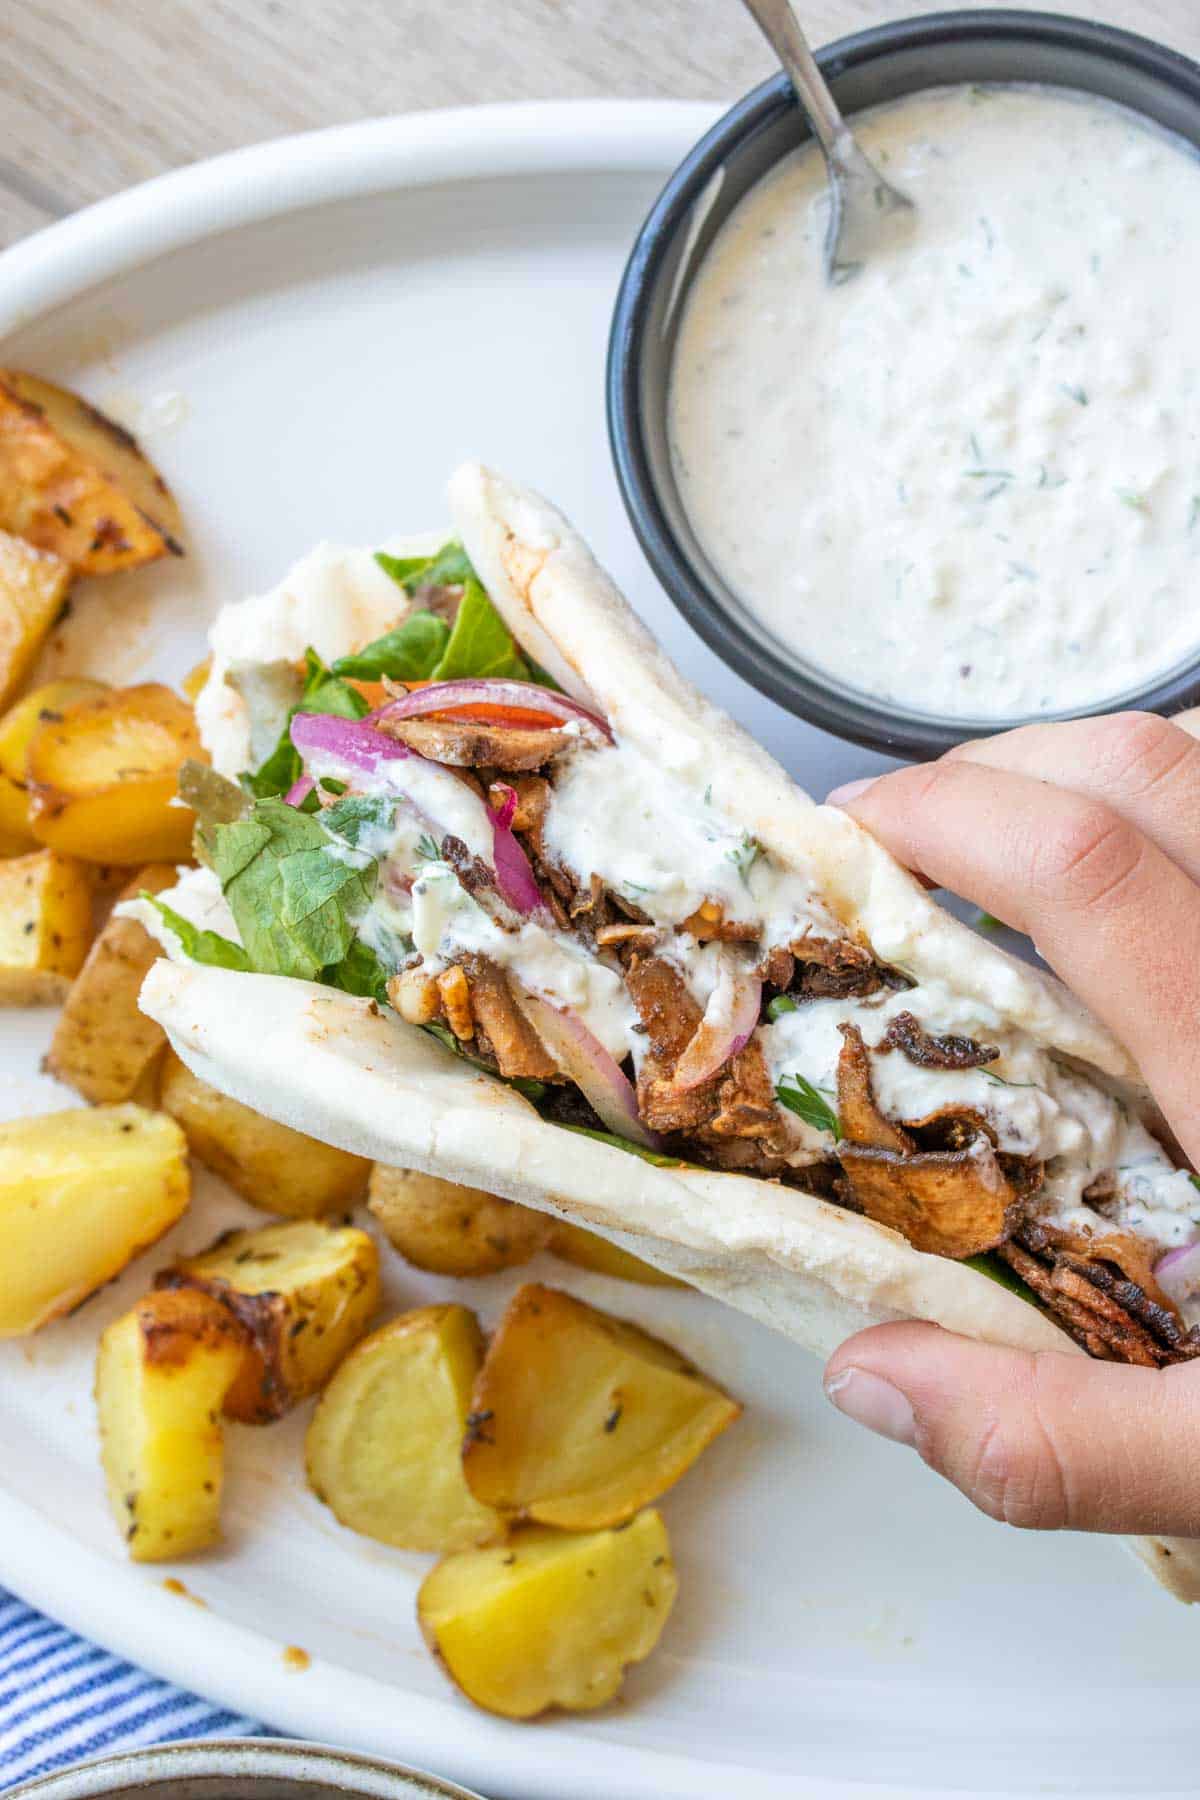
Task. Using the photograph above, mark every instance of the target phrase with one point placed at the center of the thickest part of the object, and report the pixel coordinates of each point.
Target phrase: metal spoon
(860, 200)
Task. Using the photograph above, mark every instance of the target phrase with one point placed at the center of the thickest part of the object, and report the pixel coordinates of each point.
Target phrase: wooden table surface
(96, 94)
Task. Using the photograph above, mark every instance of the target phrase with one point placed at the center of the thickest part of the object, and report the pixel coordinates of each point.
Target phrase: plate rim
(70, 1580)
(63, 260)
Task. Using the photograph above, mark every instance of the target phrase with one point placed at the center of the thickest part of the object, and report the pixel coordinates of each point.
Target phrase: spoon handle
(781, 28)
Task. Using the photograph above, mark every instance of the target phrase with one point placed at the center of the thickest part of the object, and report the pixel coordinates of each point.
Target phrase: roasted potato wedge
(103, 1046)
(17, 726)
(579, 1419)
(587, 1250)
(33, 586)
(550, 1619)
(81, 1193)
(45, 926)
(281, 1170)
(75, 483)
(448, 1229)
(102, 778)
(304, 1292)
(161, 1374)
(384, 1448)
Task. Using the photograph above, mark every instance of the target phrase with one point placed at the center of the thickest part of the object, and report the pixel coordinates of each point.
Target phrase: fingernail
(875, 1403)
(842, 796)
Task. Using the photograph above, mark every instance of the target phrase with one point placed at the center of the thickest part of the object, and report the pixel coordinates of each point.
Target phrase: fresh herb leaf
(744, 856)
(328, 785)
(323, 692)
(358, 815)
(427, 849)
(1194, 1179)
(1078, 394)
(782, 1003)
(1136, 502)
(1003, 1081)
(986, 921)
(201, 946)
(480, 643)
(409, 653)
(293, 892)
(808, 1103)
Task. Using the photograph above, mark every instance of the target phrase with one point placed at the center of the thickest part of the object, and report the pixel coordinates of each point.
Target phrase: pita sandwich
(488, 890)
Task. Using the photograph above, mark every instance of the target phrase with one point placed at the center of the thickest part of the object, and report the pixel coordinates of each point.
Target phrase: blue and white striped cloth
(62, 1699)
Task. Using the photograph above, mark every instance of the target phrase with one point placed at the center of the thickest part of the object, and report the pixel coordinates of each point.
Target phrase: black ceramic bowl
(879, 65)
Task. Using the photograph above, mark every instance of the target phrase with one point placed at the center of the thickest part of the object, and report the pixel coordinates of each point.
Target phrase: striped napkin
(62, 1699)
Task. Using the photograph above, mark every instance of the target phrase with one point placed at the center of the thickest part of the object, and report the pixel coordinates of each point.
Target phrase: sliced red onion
(728, 1022)
(351, 741)
(580, 1055)
(298, 793)
(492, 692)
(514, 877)
(1178, 1273)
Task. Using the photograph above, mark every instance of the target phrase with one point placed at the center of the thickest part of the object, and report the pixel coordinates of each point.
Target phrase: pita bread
(340, 1069)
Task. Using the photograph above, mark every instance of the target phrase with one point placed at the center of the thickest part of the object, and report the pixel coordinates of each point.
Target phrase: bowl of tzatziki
(960, 490)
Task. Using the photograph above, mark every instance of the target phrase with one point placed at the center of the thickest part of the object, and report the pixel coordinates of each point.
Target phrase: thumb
(1045, 1441)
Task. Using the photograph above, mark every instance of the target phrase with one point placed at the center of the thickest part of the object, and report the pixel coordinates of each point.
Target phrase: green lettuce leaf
(201, 946)
(480, 643)
(990, 1265)
(409, 653)
(619, 1143)
(359, 972)
(323, 692)
(294, 892)
(448, 567)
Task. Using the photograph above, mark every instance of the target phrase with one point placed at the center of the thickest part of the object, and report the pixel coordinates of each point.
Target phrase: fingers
(1145, 768)
(1117, 919)
(1044, 1441)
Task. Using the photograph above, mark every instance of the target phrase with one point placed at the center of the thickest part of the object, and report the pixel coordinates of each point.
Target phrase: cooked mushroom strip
(1161, 1321)
(858, 1112)
(466, 744)
(670, 1017)
(708, 924)
(627, 937)
(473, 873)
(952, 1203)
(905, 1033)
(1078, 1322)
(1132, 1257)
(746, 1099)
(515, 1045)
(777, 968)
(837, 969)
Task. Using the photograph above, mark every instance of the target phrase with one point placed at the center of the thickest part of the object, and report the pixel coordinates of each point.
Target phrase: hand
(1085, 835)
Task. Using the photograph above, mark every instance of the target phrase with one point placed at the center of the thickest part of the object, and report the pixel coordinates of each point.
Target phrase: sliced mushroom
(952, 1203)
(515, 1045)
(927, 1051)
(861, 1120)
(466, 744)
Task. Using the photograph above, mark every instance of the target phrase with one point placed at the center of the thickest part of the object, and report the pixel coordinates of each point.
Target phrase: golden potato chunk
(448, 1229)
(103, 777)
(81, 1194)
(588, 1250)
(17, 726)
(75, 483)
(384, 1449)
(272, 1166)
(103, 1046)
(304, 1293)
(33, 586)
(161, 1374)
(550, 1619)
(45, 926)
(578, 1419)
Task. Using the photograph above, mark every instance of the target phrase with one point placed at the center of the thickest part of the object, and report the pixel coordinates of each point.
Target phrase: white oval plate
(309, 335)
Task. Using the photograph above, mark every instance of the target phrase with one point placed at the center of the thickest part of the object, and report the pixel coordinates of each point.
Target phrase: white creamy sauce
(658, 841)
(968, 479)
(1036, 1106)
